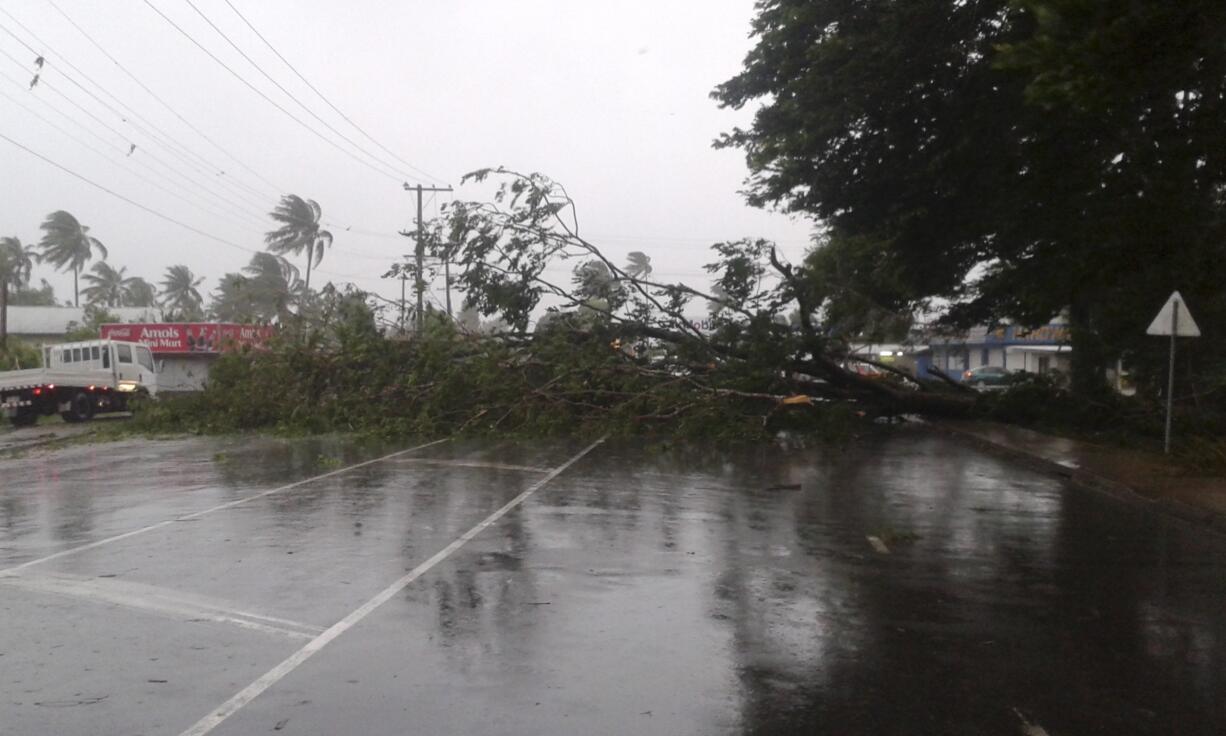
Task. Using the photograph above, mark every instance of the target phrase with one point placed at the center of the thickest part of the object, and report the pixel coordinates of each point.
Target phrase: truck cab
(129, 364)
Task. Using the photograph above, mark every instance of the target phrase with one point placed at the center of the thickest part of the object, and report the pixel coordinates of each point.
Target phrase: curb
(1122, 492)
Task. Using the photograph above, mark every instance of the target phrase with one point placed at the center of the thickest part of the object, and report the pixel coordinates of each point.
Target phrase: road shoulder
(1133, 477)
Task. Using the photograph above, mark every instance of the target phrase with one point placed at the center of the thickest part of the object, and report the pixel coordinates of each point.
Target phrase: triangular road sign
(1174, 319)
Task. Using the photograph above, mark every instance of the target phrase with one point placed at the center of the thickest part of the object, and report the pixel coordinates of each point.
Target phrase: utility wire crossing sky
(172, 127)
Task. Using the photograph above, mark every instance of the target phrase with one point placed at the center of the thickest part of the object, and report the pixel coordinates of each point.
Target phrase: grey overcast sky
(609, 98)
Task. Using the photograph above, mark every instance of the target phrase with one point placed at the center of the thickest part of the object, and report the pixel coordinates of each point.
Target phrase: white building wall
(183, 373)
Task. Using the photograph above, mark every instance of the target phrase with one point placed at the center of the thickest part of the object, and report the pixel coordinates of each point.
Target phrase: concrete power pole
(420, 251)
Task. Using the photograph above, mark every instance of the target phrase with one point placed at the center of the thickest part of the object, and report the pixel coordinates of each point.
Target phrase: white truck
(79, 380)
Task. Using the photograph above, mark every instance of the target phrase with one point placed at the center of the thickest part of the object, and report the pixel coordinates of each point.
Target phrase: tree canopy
(1015, 159)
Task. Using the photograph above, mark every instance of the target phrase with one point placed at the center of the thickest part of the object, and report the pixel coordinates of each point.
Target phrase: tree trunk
(1089, 359)
(447, 281)
(76, 293)
(4, 315)
(310, 257)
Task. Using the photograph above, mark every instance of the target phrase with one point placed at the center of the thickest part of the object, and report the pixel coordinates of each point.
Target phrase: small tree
(16, 265)
(42, 295)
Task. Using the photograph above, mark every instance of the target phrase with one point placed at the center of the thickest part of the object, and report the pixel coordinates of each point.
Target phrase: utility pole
(421, 251)
(447, 274)
(403, 279)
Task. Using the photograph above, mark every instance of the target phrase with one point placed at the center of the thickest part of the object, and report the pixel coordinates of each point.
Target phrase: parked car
(987, 378)
(864, 369)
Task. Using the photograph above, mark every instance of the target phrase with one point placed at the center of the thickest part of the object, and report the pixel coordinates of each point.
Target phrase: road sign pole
(1170, 323)
(1170, 378)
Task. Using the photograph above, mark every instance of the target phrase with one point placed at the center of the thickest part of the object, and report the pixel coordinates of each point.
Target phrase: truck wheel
(80, 408)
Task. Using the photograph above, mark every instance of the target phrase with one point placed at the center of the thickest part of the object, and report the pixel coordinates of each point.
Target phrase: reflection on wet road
(908, 584)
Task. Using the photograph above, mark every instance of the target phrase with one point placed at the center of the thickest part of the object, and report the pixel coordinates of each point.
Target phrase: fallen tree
(573, 343)
(597, 347)
(765, 314)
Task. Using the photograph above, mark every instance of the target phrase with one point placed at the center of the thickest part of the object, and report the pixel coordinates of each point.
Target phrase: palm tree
(262, 293)
(275, 285)
(231, 302)
(138, 292)
(299, 231)
(639, 265)
(16, 264)
(105, 285)
(67, 244)
(179, 292)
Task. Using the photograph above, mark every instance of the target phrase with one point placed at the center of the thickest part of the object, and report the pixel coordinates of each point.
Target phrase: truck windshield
(145, 358)
(123, 353)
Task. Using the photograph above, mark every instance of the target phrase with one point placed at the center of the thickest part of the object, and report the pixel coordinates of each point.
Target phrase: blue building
(1040, 350)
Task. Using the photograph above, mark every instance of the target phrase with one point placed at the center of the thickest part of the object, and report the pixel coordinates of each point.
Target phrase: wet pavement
(1195, 495)
(908, 584)
(20, 440)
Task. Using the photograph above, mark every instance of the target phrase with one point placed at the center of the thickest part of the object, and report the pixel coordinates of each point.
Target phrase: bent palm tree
(138, 292)
(179, 292)
(262, 293)
(16, 265)
(274, 284)
(106, 285)
(231, 302)
(300, 231)
(67, 244)
(638, 266)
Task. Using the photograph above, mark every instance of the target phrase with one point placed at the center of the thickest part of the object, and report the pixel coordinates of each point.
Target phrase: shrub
(17, 355)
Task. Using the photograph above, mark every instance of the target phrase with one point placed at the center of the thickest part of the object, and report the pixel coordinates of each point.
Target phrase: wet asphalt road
(148, 588)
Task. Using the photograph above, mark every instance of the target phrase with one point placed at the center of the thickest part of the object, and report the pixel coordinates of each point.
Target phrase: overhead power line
(291, 95)
(215, 175)
(205, 185)
(53, 58)
(269, 100)
(328, 102)
(202, 187)
(122, 198)
(275, 187)
(118, 162)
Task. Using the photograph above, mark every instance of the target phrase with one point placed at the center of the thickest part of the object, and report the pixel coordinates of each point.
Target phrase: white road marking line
(470, 464)
(198, 514)
(1028, 728)
(157, 600)
(276, 674)
(878, 545)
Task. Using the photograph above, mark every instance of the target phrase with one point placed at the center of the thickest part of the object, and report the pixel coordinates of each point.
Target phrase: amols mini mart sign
(181, 338)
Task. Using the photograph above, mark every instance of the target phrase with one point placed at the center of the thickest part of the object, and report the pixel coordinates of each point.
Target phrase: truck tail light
(38, 390)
